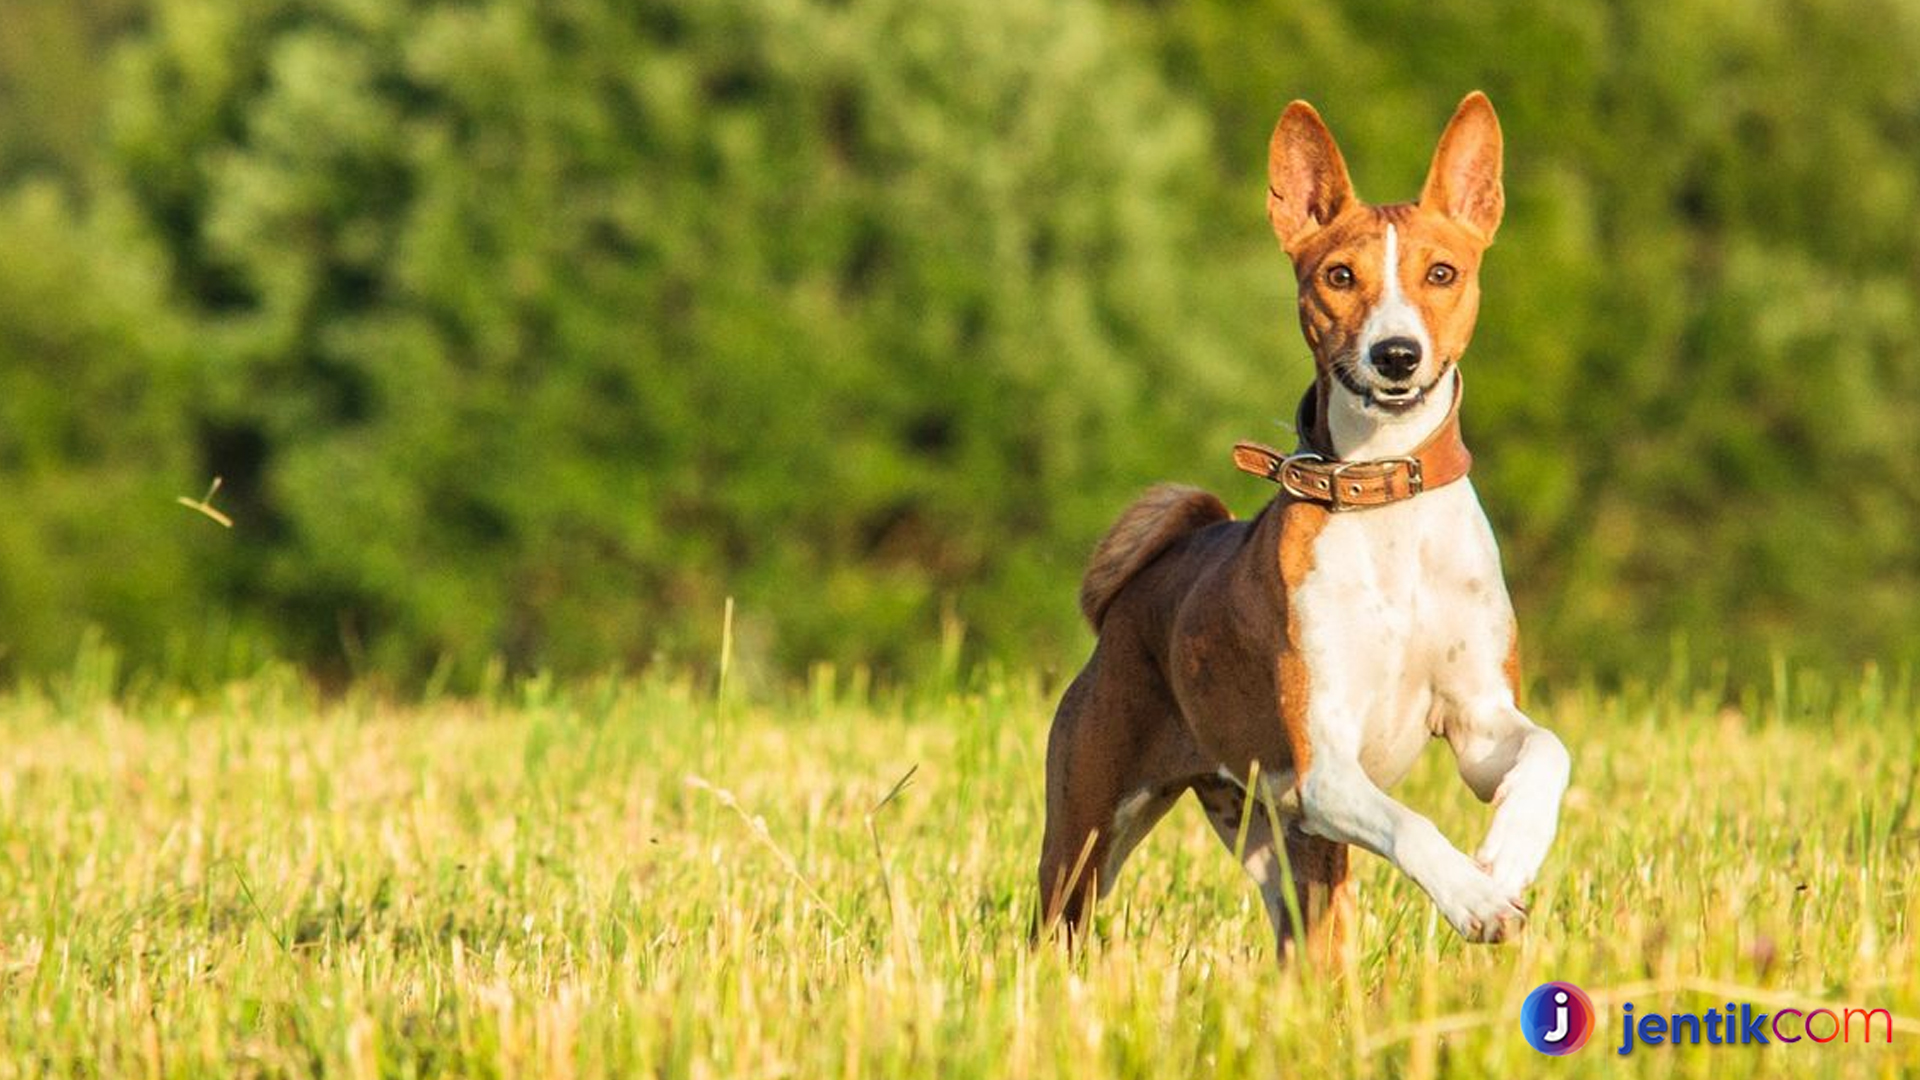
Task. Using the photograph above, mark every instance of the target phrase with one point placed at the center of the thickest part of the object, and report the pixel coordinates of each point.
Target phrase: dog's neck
(1355, 432)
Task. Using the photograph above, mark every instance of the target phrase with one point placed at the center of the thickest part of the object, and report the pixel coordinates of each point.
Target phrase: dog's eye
(1340, 276)
(1441, 274)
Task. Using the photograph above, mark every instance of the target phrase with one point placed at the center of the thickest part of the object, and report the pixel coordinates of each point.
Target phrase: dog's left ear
(1464, 182)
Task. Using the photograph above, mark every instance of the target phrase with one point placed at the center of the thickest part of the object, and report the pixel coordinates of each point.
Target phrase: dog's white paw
(1479, 907)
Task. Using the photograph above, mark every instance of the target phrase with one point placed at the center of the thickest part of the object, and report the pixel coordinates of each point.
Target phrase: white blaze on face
(1393, 316)
(1360, 431)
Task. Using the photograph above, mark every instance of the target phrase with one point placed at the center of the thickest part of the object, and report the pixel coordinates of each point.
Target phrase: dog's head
(1388, 294)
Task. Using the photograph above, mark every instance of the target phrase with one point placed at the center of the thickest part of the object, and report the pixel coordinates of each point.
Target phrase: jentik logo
(1557, 1018)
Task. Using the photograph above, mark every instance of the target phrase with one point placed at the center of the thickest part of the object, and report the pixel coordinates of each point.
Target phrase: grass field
(631, 878)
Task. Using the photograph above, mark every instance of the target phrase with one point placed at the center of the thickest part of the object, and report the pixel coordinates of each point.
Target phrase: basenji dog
(1322, 643)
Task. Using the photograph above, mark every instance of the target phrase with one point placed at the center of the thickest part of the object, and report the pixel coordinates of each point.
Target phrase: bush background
(525, 333)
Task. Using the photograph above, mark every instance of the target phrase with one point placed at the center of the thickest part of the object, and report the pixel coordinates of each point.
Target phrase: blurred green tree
(539, 328)
(92, 424)
(536, 329)
(53, 83)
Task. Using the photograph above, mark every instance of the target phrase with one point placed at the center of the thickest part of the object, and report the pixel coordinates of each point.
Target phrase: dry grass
(622, 879)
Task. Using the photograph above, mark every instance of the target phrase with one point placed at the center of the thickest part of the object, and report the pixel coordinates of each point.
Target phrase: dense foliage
(536, 330)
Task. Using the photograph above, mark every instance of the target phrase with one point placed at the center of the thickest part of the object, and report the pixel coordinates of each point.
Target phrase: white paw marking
(1479, 908)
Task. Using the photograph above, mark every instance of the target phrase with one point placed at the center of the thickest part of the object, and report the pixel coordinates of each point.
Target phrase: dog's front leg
(1522, 769)
(1338, 801)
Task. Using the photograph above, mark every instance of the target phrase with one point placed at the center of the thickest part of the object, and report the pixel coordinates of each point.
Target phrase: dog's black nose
(1395, 357)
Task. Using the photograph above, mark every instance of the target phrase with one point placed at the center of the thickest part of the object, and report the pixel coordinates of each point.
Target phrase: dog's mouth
(1396, 399)
(1392, 399)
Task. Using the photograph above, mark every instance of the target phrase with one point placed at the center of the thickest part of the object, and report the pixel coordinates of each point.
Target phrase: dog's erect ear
(1464, 182)
(1307, 183)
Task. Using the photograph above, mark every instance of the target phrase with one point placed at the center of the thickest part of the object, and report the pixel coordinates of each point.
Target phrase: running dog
(1321, 644)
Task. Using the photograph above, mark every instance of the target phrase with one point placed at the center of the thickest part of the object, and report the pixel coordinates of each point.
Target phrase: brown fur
(1158, 518)
(1300, 528)
(1170, 694)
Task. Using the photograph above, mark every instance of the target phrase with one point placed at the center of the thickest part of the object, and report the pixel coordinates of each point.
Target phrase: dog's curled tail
(1164, 514)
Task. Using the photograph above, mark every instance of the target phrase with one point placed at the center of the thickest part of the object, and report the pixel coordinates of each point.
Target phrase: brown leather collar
(1314, 474)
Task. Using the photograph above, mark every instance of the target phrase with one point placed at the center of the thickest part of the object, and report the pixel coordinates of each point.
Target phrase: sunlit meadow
(649, 877)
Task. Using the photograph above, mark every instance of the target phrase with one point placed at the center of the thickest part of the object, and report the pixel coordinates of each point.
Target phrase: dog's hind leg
(1322, 889)
(1117, 760)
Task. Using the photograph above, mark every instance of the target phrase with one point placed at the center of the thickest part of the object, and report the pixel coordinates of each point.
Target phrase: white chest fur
(1405, 619)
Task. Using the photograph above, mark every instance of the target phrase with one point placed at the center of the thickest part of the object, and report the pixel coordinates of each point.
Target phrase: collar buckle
(1416, 478)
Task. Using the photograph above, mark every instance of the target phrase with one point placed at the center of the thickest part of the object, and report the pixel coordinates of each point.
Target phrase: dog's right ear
(1307, 184)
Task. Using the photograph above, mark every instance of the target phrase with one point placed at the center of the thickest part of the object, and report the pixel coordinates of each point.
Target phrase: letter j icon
(1557, 1018)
